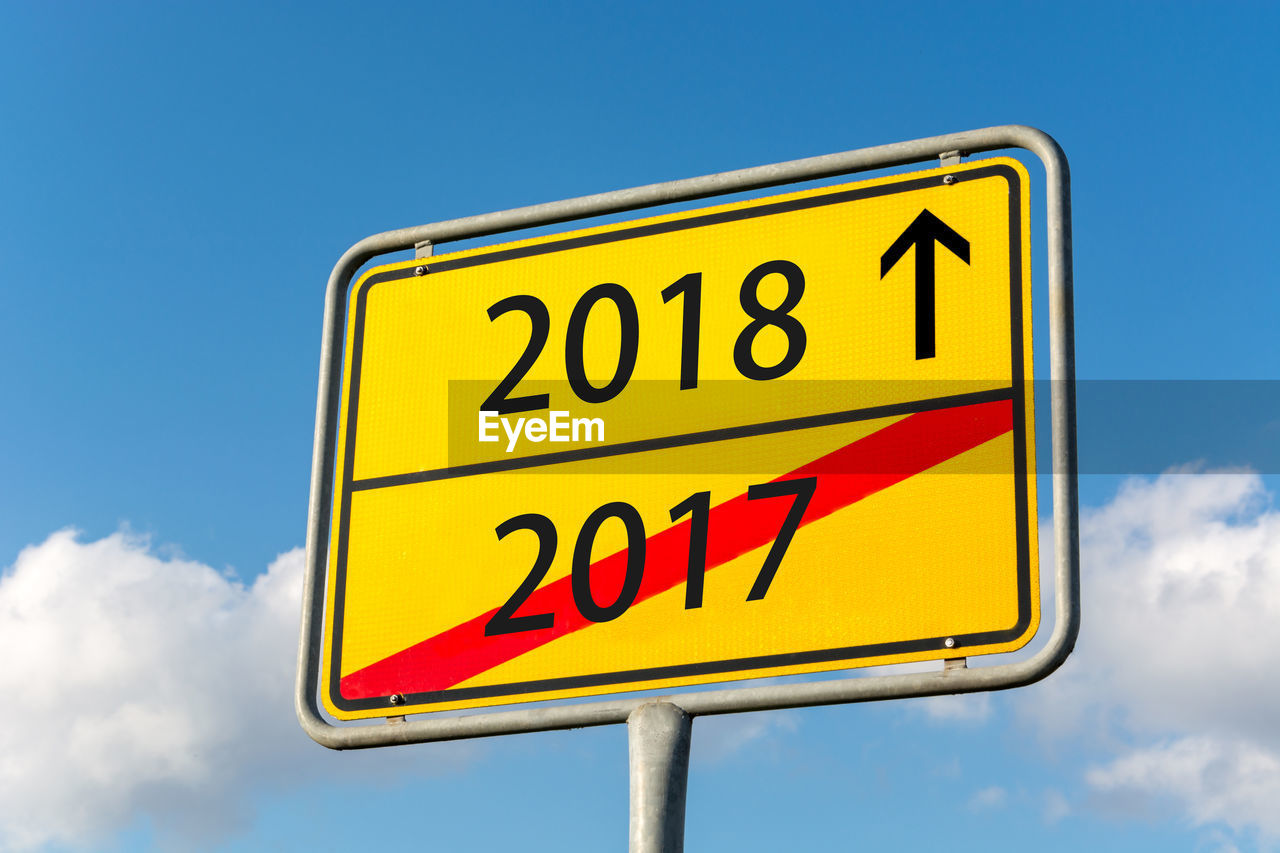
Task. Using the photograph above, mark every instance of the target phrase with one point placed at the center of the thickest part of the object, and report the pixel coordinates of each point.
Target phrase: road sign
(784, 435)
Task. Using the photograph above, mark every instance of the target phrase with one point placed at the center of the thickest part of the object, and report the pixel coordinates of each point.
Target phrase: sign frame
(951, 679)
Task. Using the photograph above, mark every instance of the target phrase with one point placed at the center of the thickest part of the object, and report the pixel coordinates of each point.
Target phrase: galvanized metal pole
(658, 737)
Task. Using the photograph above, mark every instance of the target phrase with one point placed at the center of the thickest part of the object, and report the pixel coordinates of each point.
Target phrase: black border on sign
(742, 666)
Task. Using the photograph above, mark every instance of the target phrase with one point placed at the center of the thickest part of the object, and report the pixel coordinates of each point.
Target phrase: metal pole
(658, 737)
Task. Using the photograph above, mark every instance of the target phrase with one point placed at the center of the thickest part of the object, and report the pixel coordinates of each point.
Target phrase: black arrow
(925, 230)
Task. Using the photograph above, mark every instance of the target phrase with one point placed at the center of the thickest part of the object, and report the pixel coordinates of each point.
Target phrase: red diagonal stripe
(844, 476)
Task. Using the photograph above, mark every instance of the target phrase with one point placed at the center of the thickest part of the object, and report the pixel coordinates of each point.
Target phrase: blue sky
(176, 182)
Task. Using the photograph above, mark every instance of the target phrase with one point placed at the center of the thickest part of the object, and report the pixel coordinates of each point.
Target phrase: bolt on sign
(785, 435)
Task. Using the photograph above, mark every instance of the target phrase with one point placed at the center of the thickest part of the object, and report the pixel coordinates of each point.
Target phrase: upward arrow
(925, 230)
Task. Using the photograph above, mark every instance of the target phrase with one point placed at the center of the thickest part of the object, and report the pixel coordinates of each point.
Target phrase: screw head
(948, 179)
(419, 270)
(949, 642)
(397, 699)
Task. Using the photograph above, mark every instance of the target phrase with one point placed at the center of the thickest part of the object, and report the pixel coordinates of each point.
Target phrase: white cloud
(1056, 806)
(949, 769)
(988, 799)
(956, 708)
(715, 738)
(140, 687)
(1220, 843)
(1172, 682)
(1234, 782)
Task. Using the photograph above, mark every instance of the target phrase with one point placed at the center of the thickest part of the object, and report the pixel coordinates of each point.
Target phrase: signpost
(784, 435)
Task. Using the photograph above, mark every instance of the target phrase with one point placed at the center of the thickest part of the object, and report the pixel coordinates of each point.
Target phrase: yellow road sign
(784, 435)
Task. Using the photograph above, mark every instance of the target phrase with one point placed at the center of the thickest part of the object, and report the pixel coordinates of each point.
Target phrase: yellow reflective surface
(949, 551)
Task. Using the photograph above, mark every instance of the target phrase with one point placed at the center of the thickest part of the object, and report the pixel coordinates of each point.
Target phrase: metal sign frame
(950, 679)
